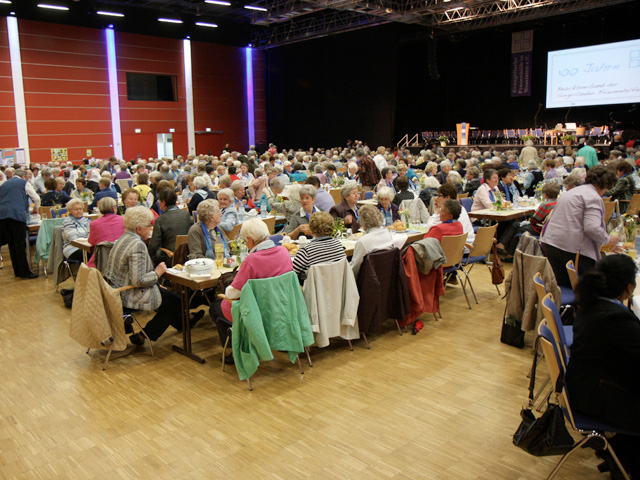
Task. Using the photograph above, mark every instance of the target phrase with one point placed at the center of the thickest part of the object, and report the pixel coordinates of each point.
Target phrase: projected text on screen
(596, 75)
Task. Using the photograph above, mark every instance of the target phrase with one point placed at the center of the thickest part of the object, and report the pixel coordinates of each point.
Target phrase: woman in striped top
(322, 249)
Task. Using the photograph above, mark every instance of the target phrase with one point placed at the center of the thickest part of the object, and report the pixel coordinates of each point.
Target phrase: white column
(250, 106)
(18, 86)
(188, 85)
(113, 93)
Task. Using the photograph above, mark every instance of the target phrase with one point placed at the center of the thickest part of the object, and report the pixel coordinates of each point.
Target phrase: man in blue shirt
(105, 191)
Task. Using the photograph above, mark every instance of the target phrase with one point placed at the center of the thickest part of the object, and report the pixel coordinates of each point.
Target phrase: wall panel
(8, 130)
(66, 90)
(259, 96)
(162, 56)
(219, 97)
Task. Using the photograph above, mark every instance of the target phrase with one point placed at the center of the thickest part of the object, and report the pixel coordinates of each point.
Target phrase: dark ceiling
(290, 21)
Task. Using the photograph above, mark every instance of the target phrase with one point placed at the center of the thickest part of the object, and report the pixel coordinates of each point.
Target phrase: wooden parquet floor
(439, 405)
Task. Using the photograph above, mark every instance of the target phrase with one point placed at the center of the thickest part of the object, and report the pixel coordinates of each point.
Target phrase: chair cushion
(567, 297)
(585, 423)
(568, 334)
(449, 270)
(477, 259)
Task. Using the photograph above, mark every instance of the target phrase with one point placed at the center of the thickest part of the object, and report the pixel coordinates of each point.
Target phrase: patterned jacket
(368, 173)
(130, 264)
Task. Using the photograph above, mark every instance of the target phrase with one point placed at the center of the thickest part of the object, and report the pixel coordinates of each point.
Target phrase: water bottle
(263, 207)
(241, 212)
(243, 253)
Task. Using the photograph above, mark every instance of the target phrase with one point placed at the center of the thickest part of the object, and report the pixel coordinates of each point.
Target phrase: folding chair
(453, 248)
(482, 246)
(595, 433)
(573, 274)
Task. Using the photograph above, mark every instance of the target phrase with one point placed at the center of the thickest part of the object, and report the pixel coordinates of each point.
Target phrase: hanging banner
(521, 63)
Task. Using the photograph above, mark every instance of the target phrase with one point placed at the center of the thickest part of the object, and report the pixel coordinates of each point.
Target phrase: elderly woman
(189, 190)
(108, 228)
(430, 189)
(265, 260)
(81, 191)
(352, 171)
(201, 193)
(288, 207)
(322, 249)
(173, 222)
(572, 180)
(229, 213)
(206, 232)
(533, 177)
(241, 200)
(348, 210)
(143, 187)
(74, 227)
(455, 178)
(130, 264)
(402, 184)
(485, 195)
(375, 236)
(299, 222)
(625, 186)
(388, 210)
(245, 175)
(387, 179)
(579, 212)
(130, 198)
(473, 180)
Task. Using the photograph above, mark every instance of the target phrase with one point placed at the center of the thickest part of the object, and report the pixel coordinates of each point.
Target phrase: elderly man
(38, 183)
(445, 168)
(14, 213)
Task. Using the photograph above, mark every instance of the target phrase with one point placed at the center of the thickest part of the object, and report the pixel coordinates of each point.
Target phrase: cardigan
(108, 228)
(270, 315)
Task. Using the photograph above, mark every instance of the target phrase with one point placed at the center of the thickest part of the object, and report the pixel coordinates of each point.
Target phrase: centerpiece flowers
(338, 228)
(405, 213)
(499, 202)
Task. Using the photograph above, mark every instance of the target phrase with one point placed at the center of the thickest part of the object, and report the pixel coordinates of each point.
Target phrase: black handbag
(547, 435)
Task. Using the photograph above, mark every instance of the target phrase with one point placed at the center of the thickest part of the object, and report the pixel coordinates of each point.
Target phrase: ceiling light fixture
(252, 7)
(169, 20)
(110, 14)
(218, 2)
(52, 7)
(205, 24)
(6, 2)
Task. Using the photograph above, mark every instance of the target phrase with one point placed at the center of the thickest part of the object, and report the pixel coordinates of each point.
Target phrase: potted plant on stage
(526, 138)
(568, 139)
(443, 139)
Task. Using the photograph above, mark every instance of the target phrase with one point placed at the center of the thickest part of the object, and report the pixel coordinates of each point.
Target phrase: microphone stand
(535, 117)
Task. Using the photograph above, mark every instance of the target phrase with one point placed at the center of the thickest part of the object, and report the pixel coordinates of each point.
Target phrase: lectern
(463, 129)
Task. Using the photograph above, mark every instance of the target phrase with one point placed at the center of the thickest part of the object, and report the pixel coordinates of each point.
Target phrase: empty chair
(562, 333)
(467, 203)
(573, 274)
(482, 246)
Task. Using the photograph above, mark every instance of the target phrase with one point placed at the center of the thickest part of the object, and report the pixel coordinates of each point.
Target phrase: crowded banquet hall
(293, 239)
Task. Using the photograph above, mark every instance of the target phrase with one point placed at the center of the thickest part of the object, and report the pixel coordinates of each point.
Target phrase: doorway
(165, 145)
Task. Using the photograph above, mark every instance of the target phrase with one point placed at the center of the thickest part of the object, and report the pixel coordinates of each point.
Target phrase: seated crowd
(205, 198)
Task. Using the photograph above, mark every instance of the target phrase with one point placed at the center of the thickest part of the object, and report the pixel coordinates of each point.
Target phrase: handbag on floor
(547, 435)
(497, 270)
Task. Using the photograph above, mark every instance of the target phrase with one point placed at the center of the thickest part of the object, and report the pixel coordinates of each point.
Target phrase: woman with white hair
(388, 210)
(130, 264)
(287, 207)
(240, 199)
(430, 189)
(229, 212)
(533, 177)
(455, 178)
(375, 237)
(348, 209)
(265, 260)
(352, 171)
(74, 227)
(202, 193)
(205, 233)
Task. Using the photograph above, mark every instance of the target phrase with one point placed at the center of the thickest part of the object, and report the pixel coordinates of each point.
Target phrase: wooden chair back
(45, 212)
(484, 241)
(634, 205)
(609, 208)
(541, 288)
(235, 231)
(463, 195)
(335, 194)
(271, 224)
(453, 248)
(573, 274)
(180, 239)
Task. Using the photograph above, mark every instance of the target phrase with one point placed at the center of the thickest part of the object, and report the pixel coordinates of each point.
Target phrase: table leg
(186, 328)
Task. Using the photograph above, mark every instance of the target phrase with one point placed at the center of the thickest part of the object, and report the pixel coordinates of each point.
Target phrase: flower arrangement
(443, 139)
(86, 196)
(338, 228)
(499, 202)
(338, 182)
(405, 213)
(631, 226)
(566, 138)
(526, 138)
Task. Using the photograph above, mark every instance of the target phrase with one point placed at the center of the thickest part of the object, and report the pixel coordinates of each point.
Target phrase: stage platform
(501, 147)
